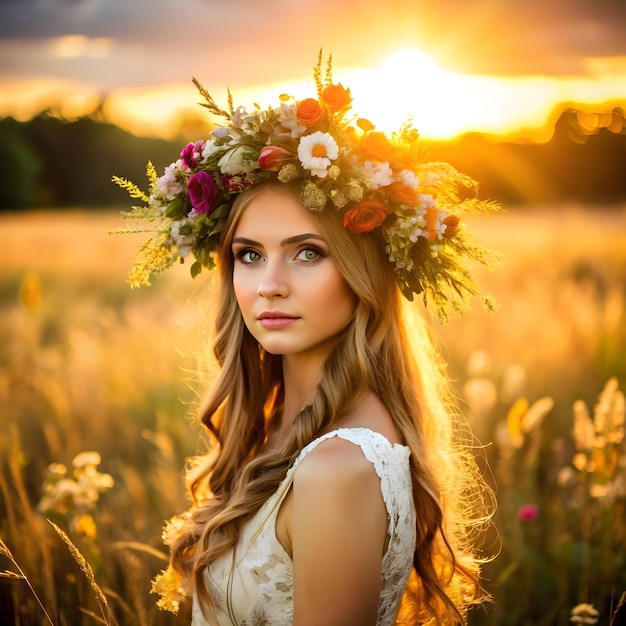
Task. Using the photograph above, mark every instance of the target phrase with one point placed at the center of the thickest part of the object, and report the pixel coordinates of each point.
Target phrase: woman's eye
(309, 254)
(248, 256)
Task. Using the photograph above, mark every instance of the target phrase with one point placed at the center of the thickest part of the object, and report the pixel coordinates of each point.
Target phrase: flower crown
(342, 163)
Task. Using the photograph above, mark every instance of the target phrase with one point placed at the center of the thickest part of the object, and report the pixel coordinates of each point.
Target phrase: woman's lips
(275, 320)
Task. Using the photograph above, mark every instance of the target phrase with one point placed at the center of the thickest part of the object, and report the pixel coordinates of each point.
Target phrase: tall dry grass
(88, 365)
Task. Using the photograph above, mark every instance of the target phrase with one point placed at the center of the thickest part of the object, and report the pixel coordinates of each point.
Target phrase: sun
(408, 83)
(441, 104)
(407, 63)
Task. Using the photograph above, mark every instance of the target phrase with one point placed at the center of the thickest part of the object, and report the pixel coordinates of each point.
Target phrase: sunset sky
(456, 65)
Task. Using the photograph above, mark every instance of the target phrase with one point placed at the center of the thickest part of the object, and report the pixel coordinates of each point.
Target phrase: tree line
(49, 162)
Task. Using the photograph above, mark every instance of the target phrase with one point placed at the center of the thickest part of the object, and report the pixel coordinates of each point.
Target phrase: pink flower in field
(192, 154)
(528, 512)
(204, 192)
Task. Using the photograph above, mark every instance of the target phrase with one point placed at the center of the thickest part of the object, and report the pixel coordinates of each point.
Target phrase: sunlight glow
(444, 104)
(75, 46)
(26, 98)
(155, 111)
(408, 83)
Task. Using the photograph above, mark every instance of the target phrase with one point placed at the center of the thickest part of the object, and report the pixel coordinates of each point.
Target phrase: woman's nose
(274, 283)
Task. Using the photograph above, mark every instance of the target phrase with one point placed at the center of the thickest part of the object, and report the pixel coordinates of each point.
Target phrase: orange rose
(309, 112)
(452, 223)
(376, 146)
(336, 97)
(403, 193)
(365, 216)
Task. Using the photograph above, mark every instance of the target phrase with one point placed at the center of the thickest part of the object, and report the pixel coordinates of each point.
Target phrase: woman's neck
(300, 379)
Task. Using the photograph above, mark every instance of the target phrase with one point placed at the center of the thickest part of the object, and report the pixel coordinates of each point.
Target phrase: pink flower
(527, 512)
(204, 192)
(272, 158)
(192, 154)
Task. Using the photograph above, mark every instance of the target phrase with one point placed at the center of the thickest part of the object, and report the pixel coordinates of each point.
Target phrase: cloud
(232, 41)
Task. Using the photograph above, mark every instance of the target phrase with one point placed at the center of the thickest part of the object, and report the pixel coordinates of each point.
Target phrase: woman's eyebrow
(245, 241)
(298, 238)
(285, 242)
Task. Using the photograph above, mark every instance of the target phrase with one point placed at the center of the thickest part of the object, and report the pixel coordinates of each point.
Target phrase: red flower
(204, 192)
(365, 216)
(309, 112)
(336, 97)
(272, 158)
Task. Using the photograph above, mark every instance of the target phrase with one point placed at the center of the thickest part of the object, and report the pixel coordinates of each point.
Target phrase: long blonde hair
(380, 350)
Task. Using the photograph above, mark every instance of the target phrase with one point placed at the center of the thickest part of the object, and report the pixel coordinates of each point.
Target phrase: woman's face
(292, 297)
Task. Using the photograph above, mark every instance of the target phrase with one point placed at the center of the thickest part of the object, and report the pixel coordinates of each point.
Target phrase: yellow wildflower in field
(169, 585)
(86, 526)
(153, 258)
(31, 292)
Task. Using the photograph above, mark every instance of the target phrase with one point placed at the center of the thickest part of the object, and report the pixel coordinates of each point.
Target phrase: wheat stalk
(86, 569)
(4, 551)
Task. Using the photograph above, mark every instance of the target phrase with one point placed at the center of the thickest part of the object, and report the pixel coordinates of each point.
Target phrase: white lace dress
(257, 589)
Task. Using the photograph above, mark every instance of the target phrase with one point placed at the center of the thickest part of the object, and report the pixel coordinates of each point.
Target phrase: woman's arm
(338, 530)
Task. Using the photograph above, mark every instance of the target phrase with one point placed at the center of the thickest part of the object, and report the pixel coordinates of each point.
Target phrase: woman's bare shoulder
(336, 458)
(371, 413)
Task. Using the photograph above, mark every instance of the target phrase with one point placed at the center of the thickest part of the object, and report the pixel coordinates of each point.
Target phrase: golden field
(87, 365)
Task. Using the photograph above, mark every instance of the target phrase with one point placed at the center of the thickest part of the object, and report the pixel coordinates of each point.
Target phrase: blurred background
(97, 383)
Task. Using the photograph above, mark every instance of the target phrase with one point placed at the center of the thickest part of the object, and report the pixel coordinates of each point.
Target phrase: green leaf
(176, 209)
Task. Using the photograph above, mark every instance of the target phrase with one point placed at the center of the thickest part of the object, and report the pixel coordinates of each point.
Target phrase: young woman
(339, 491)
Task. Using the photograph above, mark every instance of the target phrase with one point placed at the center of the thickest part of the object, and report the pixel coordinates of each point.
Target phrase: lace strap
(390, 461)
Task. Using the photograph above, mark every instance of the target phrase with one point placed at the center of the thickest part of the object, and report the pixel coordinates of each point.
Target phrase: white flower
(584, 614)
(84, 459)
(435, 249)
(240, 116)
(425, 200)
(440, 227)
(210, 148)
(219, 132)
(409, 178)
(287, 116)
(378, 174)
(316, 151)
(247, 123)
(168, 184)
(238, 160)
(183, 242)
